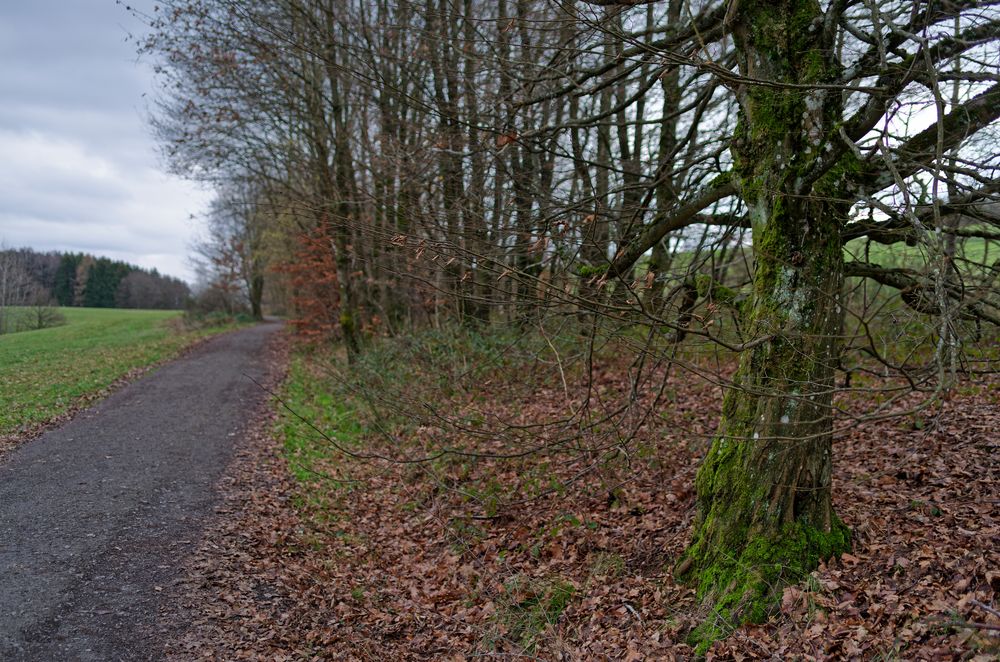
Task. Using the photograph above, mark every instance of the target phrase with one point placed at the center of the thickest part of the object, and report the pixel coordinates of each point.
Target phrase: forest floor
(341, 546)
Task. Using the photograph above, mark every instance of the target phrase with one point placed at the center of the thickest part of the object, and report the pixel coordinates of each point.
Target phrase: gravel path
(95, 517)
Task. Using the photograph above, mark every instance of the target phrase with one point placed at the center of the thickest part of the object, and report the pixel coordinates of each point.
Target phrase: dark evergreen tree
(65, 278)
(103, 279)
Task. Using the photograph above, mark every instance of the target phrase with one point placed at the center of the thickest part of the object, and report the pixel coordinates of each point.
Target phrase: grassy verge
(46, 373)
(330, 409)
(312, 407)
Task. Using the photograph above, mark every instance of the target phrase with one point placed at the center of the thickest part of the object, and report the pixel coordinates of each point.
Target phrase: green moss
(587, 271)
(773, 112)
(779, 125)
(755, 533)
(773, 246)
(848, 167)
(746, 585)
(709, 288)
(721, 179)
(814, 67)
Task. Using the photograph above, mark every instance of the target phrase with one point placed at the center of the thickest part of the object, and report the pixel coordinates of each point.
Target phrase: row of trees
(99, 282)
(80, 279)
(808, 167)
(17, 289)
(233, 257)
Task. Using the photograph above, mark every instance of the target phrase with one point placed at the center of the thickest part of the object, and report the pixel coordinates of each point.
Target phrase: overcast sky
(79, 168)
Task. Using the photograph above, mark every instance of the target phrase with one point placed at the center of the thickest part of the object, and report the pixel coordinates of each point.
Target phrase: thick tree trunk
(764, 508)
(257, 296)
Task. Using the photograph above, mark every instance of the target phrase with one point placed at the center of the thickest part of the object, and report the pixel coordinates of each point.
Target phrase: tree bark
(256, 297)
(665, 191)
(764, 509)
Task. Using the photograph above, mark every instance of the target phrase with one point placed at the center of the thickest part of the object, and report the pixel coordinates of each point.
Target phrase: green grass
(326, 406)
(15, 319)
(529, 606)
(44, 373)
(350, 404)
(311, 395)
(970, 254)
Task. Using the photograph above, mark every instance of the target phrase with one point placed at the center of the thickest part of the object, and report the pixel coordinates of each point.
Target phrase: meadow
(46, 373)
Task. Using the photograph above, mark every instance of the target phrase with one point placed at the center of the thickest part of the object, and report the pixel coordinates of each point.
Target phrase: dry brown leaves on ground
(401, 561)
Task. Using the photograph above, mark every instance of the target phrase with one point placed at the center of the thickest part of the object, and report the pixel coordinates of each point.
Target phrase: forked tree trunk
(764, 508)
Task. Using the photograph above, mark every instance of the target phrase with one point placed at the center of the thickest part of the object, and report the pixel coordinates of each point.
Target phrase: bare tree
(15, 288)
(233, 256)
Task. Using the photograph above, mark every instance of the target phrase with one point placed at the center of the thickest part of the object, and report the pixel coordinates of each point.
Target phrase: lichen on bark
(765, 516)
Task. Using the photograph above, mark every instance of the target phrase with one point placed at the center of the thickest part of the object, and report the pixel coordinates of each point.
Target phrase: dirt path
(96, 516)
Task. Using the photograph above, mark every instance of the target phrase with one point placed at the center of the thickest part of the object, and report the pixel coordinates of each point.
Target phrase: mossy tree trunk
(764, 509)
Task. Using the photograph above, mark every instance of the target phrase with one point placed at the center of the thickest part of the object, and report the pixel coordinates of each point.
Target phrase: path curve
(96, 516)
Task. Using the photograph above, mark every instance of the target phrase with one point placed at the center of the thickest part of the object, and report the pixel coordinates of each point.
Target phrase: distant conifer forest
(81, 279)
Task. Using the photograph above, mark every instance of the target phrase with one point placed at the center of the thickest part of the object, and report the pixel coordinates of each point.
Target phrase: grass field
(45, 373)
(970, 254)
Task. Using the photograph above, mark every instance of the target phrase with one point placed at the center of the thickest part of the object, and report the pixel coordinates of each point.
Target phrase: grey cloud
(79, 169)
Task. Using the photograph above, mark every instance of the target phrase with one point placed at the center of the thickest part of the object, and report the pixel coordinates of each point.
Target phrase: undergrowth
(465, 477)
